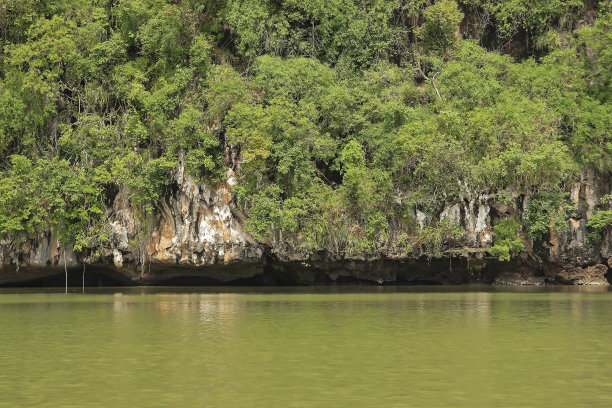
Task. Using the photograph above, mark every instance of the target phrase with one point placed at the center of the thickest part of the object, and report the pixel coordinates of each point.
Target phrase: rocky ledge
(198, 237)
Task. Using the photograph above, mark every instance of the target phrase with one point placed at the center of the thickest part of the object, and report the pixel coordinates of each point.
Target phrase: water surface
(307, 347)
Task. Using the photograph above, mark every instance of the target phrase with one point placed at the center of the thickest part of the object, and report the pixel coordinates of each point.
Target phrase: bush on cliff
(507, 241)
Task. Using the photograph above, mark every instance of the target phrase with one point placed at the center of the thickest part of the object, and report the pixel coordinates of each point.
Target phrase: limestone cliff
(198, 236)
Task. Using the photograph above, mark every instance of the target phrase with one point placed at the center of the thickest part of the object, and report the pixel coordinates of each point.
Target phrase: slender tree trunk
(65, 270)
(83, 277)
(434, 84)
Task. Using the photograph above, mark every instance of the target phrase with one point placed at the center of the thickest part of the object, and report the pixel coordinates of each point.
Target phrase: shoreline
(438, 271)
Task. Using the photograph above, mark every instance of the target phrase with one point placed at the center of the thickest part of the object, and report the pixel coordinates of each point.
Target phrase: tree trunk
(83, 277)
(65, 270)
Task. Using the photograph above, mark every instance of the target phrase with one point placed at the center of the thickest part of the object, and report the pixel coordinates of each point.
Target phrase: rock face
(198, 236)
(198, 226)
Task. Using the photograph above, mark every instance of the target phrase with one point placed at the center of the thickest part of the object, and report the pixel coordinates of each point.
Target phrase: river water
(307, 347)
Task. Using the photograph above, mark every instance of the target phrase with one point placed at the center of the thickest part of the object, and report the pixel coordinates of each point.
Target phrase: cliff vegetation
(347, 124)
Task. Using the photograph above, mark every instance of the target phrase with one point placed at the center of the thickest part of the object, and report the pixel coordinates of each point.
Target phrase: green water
(307, 347)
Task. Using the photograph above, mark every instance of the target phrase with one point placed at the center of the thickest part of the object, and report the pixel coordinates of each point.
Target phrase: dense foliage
(340, 117)
(507, 241)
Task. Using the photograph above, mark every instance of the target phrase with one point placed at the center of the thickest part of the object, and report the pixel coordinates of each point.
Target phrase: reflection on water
(307, 347)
